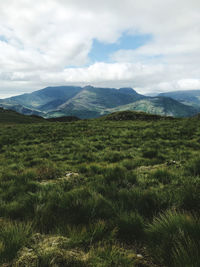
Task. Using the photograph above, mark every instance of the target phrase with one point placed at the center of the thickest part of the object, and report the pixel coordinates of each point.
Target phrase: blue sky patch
(3, 39)
(101, 51)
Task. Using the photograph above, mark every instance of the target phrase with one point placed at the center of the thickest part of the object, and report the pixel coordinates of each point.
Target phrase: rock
(69, 174)
(139, 256)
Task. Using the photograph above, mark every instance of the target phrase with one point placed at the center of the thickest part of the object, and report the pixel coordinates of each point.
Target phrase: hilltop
(133, 115)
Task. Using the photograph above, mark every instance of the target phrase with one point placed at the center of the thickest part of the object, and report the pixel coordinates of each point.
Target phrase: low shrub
(47, 170)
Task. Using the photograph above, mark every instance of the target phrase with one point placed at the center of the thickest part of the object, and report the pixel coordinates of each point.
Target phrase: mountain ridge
(186, 97)
(92, 102)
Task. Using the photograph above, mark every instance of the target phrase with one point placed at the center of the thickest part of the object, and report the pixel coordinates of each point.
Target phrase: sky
(152, 46)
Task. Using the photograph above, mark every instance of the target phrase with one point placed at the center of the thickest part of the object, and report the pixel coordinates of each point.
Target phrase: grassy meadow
(100, 193)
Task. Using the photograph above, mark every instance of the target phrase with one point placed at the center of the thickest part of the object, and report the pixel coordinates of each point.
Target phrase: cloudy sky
(152, 46)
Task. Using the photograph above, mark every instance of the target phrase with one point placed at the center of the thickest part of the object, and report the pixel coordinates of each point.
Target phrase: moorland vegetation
(101, 192)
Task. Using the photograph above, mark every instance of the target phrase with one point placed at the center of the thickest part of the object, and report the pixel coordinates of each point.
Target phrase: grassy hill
(9, 116)
(113, 191)
(133, 115)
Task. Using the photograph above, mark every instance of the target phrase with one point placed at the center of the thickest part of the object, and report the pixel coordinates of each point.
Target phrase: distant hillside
(93, 102)
(158, 105)
(133, 115)
(189, 97)
(20, 108)
(9, 116)
(40, 101)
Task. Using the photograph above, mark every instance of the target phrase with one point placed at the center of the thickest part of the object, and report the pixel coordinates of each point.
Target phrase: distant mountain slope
(44, 99)
(158, 105)
(92, 102)
(20, 108)
(10, 116)
(189, 97)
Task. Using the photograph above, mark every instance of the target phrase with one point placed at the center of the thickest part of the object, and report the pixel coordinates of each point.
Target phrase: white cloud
(189, 83)
(42, 39)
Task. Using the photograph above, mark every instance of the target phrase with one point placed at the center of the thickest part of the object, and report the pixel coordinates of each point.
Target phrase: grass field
(100, 193)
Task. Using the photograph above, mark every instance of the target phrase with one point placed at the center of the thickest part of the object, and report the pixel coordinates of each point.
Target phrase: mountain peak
(88, 87)
(127, 90)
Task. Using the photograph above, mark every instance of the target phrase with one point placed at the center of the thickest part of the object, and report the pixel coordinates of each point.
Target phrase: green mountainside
(189, 97)
(40, 101)
(92, 102)
(157, 105)
(12, 105)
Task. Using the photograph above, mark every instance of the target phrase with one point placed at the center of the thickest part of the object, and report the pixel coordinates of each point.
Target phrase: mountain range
(189, 97)
(92, 102)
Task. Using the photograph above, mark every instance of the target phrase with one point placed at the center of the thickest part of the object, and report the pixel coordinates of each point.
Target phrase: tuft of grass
(167, 236)
(186, 252)
(162, 175)
(193, 166)
(130, 227)
(13, 236)
(106, 255)
(87, 235)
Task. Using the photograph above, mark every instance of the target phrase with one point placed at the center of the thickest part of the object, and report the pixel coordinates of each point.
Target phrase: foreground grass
(100, 193)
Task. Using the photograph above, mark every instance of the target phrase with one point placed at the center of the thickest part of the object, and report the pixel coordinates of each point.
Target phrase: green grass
(174, 239)
(13, 236)
(111, 189)
(9, 116)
